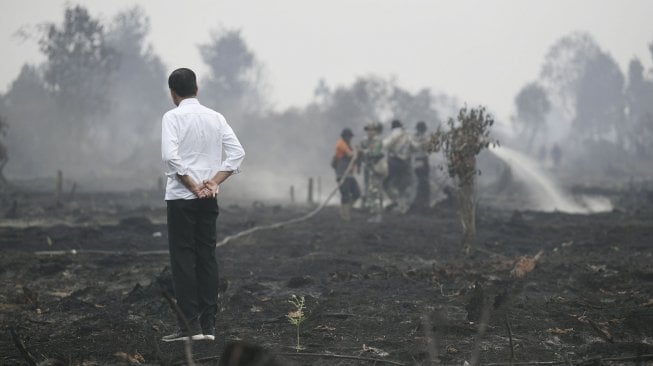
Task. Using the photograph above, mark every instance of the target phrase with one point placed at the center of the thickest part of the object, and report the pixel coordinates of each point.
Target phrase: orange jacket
(343, 149)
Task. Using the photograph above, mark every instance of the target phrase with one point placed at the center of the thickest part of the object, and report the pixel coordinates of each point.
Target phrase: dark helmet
(376, 126)
(346, 133)
(421, 127)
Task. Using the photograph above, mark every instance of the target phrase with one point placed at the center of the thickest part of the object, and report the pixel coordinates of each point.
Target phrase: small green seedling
(296, 317)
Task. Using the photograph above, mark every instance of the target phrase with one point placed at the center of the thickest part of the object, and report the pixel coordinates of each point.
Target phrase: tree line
(93, 107)
(584, 104)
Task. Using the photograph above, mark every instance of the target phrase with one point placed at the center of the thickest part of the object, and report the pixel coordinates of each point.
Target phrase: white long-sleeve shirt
(398, 144)
(193, 138)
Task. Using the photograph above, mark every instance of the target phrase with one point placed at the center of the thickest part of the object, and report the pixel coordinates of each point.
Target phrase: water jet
(544, 192)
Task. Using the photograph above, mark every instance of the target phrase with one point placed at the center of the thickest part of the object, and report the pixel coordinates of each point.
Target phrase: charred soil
(83, 285)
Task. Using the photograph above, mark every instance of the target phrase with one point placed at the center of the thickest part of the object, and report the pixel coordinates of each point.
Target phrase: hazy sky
(480, 51)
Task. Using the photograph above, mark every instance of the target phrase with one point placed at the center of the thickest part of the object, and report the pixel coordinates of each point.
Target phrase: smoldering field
(402, 291)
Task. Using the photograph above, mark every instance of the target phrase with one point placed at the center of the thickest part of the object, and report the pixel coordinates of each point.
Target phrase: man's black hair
(346, 133)
(183, 82)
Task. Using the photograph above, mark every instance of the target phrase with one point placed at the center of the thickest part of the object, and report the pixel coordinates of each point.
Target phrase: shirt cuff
(173, 173)
(229, 168)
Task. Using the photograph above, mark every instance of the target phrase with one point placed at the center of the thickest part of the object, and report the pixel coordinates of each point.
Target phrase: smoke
(93, 108)
(582, 118)
(95, 113)
(287, 147)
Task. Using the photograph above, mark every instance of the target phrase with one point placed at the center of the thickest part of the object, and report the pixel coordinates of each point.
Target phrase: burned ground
(400, 291)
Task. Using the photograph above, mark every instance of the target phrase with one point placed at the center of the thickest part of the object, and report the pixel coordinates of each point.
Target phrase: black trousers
(399, 174)
(349, 190)
(192, 238)
(422, 172)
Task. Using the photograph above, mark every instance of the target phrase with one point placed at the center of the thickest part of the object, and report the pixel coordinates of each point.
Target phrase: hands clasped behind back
(208, 189)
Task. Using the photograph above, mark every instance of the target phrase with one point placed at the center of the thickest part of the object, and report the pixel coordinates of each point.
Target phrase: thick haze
(479, 51)
(570, 85)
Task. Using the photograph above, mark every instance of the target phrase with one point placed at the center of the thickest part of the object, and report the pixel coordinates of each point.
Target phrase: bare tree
(79, 67)
(564, 67)
(585, 83)
(134, 115)
(600, 101)
(467, 136)
(532, 107)
(639, 93)
(234, 80)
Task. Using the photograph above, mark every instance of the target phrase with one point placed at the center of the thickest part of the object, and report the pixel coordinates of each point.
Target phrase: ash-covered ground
(400, 291)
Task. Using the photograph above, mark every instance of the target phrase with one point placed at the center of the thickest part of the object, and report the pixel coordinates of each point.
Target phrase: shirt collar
(189, 101)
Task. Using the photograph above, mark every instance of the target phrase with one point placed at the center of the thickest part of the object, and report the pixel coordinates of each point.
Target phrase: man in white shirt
(398, 145)
(193, 139)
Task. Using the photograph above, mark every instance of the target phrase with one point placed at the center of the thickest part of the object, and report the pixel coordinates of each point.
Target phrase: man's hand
(206, 190)
(209, 188)
(199, 190)
(212, 188)
(213, 185)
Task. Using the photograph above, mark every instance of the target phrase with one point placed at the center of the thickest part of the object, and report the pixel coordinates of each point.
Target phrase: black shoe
(207, 322)
(183, 336)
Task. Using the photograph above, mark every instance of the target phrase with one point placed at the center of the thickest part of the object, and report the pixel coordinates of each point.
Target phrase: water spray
(545, 193)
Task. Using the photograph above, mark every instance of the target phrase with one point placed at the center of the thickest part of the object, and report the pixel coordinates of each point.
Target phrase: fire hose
(293, 220)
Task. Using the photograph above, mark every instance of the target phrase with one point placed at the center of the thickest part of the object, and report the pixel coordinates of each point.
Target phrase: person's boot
(345, 211)
(403, 207)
